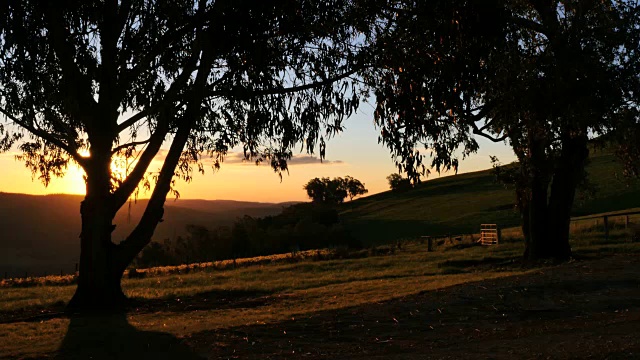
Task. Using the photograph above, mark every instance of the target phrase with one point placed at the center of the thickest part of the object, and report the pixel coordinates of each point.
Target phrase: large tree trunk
(102, 263)
(550, 211)
(569, 171)
(99, 273)
(538, 245)
(537, 240)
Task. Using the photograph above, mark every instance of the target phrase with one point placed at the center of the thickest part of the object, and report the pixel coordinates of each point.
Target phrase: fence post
(498, 234)
(606, 228)
(429, 244)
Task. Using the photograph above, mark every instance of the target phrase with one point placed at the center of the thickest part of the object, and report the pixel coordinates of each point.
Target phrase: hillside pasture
(458, 204)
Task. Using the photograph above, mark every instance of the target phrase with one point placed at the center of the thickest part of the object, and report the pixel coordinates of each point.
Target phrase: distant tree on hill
(398, 183)
(316, 189)
(334, 191)
(354, 187)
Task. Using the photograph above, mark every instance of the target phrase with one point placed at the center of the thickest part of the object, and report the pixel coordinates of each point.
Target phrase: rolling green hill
(459, 204)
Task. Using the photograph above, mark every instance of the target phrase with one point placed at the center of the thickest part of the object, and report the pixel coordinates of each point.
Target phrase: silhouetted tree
(354, 187)
(334, 191)
(97, 82)
(540, 75)
(398, 183)
(316, 189)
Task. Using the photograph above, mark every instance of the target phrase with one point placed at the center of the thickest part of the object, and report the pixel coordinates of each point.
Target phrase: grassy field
(179, 310)
(459, 204)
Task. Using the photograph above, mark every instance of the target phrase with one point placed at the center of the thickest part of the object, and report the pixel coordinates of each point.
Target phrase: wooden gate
(489, 234)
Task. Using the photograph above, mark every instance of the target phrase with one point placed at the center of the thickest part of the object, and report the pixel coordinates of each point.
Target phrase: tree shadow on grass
(209, 300)
(112, 337)
(487, 261)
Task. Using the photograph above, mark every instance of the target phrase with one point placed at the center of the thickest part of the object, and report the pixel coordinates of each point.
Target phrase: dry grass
(269, 292)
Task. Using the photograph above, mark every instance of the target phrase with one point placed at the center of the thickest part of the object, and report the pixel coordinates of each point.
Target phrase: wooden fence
(605, 219)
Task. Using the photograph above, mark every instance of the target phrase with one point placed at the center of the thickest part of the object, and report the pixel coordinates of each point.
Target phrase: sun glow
(74, 178)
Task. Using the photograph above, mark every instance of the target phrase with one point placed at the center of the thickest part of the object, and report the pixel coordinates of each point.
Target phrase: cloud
(302, 159)
(235, 158)
(310, 159)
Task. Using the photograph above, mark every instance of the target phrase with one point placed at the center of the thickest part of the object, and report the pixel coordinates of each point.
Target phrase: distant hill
(459, 204)
(40, 233)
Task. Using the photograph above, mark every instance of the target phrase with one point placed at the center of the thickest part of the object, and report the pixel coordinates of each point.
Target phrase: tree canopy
(98, 82)
(398, 183)
(334, 191)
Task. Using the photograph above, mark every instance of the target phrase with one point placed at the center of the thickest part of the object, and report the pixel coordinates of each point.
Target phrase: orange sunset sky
(355, 152)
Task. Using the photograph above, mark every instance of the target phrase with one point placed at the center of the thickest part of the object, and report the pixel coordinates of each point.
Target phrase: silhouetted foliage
(120, 80)
(399, 183)
(334, 191)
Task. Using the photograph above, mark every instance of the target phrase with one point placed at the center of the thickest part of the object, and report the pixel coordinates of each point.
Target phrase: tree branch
(480, 132)
(125, 190)
(244, 93)
(531, 25)
(122, 193)
(78, 84)
(170, 95)
(130, 144)
(109, 93)
(484, 110)
(141, 235)
(162, 44)
(135, 118)
(47, 136)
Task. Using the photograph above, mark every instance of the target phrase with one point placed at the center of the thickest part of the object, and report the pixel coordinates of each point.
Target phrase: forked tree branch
(141, 235)
(479, 131)
(128, 186)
